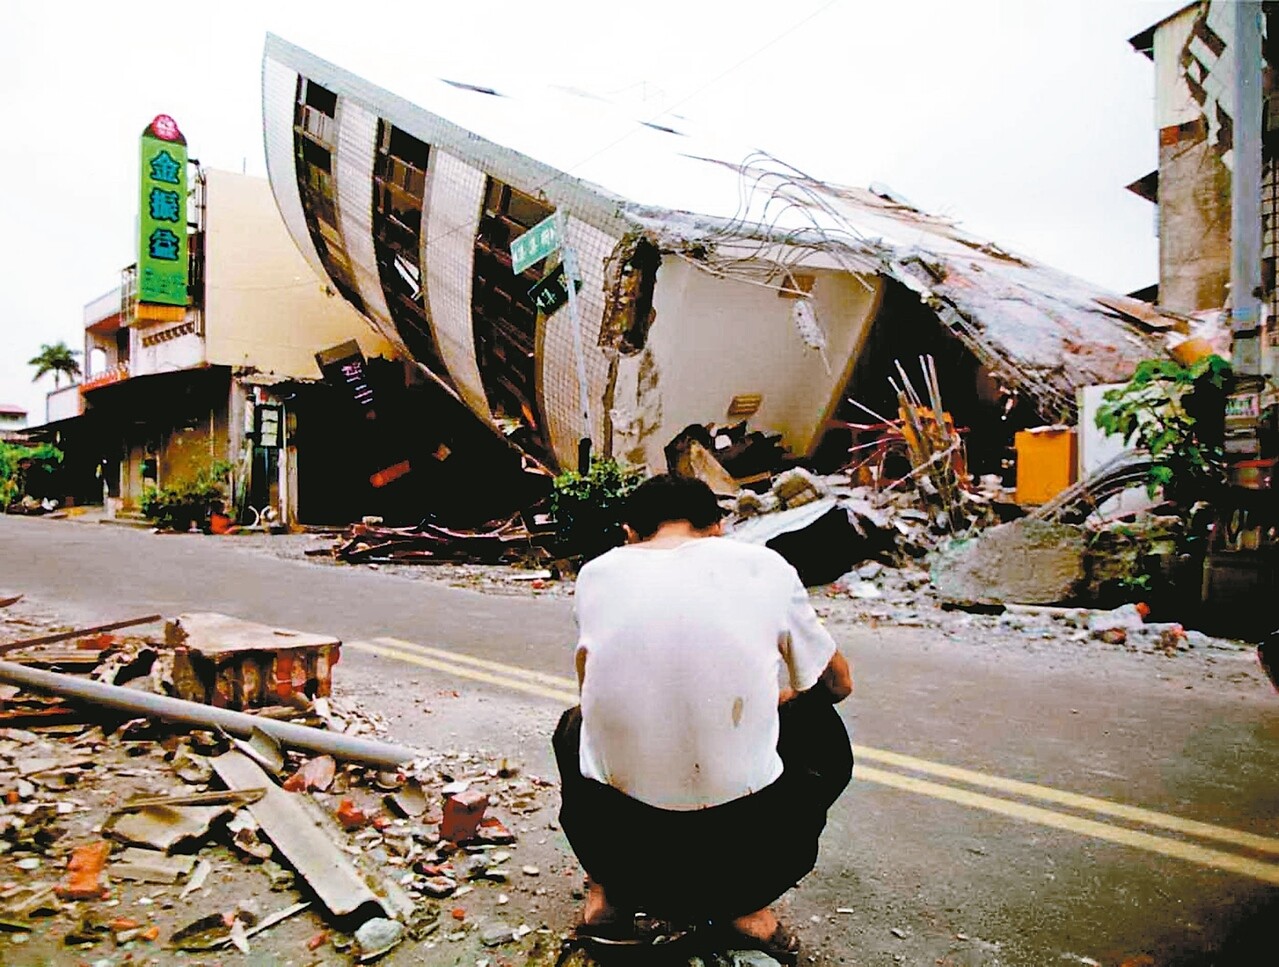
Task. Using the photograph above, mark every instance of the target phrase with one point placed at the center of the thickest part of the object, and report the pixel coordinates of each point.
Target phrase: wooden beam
(9, 646)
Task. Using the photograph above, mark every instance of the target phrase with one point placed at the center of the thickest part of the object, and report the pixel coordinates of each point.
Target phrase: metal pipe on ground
(346, 747)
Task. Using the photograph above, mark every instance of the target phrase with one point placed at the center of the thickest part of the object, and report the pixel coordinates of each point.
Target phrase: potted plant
(189, 501)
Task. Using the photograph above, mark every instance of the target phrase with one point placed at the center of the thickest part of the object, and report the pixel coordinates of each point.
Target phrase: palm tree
(59, 359)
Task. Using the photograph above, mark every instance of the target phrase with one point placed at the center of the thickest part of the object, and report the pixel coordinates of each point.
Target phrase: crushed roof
(1040, 330)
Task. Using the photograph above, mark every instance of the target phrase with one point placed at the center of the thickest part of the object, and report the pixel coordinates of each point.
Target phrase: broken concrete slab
(307, 846)
(231, 663)
(1023, 562)
(150, 866)
(163, 827)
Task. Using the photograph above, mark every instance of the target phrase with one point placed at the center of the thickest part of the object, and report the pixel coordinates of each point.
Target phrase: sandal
(782, 945)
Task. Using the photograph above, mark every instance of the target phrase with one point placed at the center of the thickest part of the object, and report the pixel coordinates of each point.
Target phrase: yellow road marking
(1136, 814)
(1190, 852)
(454, 669)
(553, 681)
(565, 690)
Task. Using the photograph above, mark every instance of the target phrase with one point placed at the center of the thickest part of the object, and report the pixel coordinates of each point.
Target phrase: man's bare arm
(837, 679)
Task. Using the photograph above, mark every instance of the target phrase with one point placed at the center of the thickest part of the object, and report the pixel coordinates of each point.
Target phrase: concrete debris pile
(499, 542)
(1044, 562)
(904, 597)
(202, 825)
(737, 454)
(824, 525)
(1126, 625)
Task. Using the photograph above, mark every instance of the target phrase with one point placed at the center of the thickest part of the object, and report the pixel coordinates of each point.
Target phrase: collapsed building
(716, 285)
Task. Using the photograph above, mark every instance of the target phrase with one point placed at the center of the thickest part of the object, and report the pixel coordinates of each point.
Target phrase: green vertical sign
(162, 236)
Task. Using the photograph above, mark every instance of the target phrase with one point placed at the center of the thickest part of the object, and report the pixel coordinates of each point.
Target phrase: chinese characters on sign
(552, 292)
(162, 237)
(343, 365)
(535, 244)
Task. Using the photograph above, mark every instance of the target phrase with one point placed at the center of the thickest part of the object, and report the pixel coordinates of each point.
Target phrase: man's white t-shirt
(686, 649)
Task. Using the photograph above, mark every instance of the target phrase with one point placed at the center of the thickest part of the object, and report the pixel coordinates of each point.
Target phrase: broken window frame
(314, 139)
(400, 165)
(507, 325)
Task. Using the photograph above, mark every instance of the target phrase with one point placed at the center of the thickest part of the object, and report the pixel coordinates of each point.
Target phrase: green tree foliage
(57, 358)
(17, 461)
(588, 508)
(1175, 412)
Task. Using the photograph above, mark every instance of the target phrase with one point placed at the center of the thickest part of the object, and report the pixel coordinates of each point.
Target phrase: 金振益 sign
(536, 244)
(162, 216)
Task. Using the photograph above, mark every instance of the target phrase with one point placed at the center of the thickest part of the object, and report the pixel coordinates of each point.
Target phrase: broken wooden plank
(70, 661)
(34, 765)
(1142, 313)
(150, 866)
(271, 920)
(41, 717)
(216, 797)
(306, 845)
(9, 646)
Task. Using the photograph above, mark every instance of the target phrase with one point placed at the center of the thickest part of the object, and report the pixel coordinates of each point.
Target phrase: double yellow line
(564, 691)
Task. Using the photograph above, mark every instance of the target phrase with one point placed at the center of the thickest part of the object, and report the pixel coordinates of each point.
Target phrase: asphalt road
(994, 815)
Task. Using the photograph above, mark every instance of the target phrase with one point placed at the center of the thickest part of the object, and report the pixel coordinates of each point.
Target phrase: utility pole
(1245, 192)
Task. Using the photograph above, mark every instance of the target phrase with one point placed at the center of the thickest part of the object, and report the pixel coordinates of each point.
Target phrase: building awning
(157, 394)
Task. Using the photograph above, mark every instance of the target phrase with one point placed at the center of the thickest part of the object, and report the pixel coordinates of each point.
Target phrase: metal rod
(571, 276)
(347, 747)
(78, 633)
(863, 406)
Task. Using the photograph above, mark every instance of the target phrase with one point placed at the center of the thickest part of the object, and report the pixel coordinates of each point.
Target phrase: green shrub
(588, 508)
(187, 500)
(14, 467)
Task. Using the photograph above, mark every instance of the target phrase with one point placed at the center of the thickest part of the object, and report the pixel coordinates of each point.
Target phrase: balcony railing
(115, 374)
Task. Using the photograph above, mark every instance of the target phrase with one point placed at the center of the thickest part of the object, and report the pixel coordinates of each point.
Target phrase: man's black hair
(664, 498)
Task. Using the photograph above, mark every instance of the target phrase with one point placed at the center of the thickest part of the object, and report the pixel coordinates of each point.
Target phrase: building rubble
(122, 837)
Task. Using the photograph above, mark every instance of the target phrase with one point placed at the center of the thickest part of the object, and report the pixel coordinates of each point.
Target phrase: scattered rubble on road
(506, 541)
(122, 837)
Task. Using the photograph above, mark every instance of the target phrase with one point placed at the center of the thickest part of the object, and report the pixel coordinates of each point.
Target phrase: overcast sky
(1023, 119)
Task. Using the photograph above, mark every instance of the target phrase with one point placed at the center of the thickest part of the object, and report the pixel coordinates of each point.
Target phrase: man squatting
(697, 771)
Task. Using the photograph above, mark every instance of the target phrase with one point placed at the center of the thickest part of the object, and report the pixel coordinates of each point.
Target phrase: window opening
(314, 123)
(399, 198)
(505, 317)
